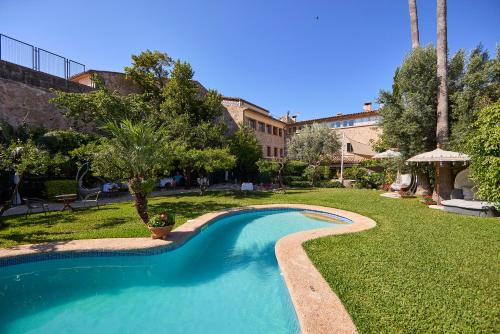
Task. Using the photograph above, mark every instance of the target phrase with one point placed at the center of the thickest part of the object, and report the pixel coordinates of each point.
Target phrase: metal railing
(38, 59)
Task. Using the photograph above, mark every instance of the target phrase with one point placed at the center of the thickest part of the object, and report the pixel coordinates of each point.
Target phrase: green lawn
(419, 270)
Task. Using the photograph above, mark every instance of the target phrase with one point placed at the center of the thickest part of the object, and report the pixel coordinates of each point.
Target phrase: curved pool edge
(318, 308)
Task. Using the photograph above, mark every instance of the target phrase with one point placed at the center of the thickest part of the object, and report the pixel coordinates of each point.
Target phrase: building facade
(357, 131)
(269, 131)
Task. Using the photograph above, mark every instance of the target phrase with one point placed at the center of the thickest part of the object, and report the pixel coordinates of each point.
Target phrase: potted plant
(160, 225)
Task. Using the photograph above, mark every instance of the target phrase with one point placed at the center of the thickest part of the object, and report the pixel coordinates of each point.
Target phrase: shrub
(300, 184)
(332, 184)
(363, 178)
(59, 187)
(295, 168)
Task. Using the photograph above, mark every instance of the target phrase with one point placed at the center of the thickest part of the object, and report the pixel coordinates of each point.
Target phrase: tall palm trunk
(424, 186)
(140, 199)
(141, 206)
(415, 42)
(444, 181)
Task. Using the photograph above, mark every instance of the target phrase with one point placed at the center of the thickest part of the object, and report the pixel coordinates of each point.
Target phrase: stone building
(357, 131)
(269, 131)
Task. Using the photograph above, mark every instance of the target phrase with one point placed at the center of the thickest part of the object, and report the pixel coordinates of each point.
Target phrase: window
(269, 151)
(252, 123)
(275, 151)
(281, 152)
(262, 127)
(349, 148)
(289, 131)
(280, 132)
(269, 129)
(344, 123)
(294, 129)
(275, 131)
(338, 124)
(351, 122)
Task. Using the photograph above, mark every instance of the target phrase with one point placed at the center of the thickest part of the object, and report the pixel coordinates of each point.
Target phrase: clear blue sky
(274, 53)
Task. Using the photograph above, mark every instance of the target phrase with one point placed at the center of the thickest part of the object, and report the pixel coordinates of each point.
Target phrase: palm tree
(415, 43)
(138, 153)
(442, 126)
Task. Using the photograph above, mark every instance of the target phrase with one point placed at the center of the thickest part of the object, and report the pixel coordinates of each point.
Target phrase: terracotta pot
(160, 232)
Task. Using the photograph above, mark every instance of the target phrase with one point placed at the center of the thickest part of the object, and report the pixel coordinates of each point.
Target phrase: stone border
(318, 308)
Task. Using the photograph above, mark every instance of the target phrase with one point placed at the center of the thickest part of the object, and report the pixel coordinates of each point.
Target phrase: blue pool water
(226, 279)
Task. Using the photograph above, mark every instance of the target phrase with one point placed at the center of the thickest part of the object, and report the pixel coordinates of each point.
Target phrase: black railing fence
(27, 55)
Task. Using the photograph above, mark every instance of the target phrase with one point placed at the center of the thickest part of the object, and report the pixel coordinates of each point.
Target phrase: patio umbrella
(439, 156)
(387, 154)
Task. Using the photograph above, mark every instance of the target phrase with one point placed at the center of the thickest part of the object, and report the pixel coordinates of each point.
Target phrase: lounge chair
(33, 203)
(91, 198)
(470, 208)
(404, 183)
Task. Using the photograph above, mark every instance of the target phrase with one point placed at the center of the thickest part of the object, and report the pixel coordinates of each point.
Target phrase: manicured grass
(419, 270)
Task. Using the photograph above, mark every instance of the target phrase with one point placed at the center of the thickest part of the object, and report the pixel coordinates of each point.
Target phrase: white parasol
(439, 156)
(387, 154)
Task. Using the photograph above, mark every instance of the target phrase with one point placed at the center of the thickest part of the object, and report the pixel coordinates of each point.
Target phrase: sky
(312, 58)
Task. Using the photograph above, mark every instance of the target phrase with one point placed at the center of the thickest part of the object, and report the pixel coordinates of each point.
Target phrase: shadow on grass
(36, 237)
(188, 209)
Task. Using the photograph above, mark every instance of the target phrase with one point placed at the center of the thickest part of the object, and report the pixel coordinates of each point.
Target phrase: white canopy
(387, 154)
(439, 155)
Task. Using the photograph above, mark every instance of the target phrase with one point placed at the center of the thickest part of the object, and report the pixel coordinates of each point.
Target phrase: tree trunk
(444, 181)
(424, 185)
(415, 42)
(442, 129)
(141, 205)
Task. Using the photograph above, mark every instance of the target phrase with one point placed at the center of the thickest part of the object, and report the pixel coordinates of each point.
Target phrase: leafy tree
(477, 86)
(137, 152)
(150, 71)
(247, 150)
(484, 147)
(409, 109)
(63, 141)
(274, 168)
(314, 144)
(193, 121)
(24, 158)
(205, 161)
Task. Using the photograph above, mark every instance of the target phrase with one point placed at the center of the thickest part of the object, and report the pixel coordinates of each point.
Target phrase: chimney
(367, 107)
(294, 118)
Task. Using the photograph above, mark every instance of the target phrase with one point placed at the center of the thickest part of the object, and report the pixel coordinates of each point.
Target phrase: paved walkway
(124, 197)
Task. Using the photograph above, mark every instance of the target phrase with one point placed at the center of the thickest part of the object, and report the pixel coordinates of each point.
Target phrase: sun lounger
(471, 208)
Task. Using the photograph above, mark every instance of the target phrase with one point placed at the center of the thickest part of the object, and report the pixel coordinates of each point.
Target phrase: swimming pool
(224, 280)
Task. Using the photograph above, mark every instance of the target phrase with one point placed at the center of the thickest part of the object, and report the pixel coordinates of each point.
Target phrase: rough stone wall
(38, 79)
(232, 115)
(25, 94)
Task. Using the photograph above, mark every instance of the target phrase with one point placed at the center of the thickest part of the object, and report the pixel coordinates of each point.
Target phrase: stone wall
(25, 94)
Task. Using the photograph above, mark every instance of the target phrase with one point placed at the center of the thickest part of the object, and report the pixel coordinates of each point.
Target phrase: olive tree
(314, 145)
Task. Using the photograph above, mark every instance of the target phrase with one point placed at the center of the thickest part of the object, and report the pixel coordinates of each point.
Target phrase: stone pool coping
(318, 308)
